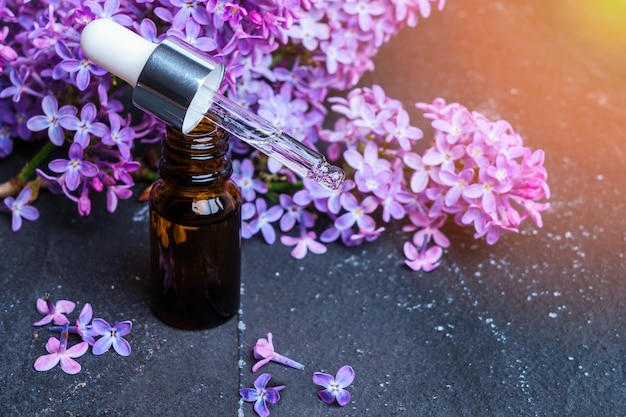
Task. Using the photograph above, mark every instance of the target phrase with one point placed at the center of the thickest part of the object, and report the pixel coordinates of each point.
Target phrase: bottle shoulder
(195, 205)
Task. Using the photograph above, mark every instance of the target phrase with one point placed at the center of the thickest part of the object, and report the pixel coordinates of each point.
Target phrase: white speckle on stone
(553, 315)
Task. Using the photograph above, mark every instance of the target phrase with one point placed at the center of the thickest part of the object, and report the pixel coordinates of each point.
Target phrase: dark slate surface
(532, 326)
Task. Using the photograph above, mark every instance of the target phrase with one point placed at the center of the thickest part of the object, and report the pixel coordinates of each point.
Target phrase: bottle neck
(197, 158)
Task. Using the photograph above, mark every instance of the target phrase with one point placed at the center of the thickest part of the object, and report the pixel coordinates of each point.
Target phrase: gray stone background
(532, 326)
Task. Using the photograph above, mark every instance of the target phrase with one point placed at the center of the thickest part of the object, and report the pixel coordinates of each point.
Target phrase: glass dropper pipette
(179, 85)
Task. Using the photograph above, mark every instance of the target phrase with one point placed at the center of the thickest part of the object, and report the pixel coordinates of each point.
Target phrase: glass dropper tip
(327, 175)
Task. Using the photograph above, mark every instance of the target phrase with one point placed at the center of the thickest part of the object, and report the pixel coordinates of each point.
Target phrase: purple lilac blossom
(238, 32)
(293, 213)
(249, 185)
(86, 125)
(119, 135)
(335, 387)
(52, 120)
(6, 141)
(83, 326)
(263, 219)
(20, 208)
(261, 395)
(111, 336)
(81, 70)
(75, 168)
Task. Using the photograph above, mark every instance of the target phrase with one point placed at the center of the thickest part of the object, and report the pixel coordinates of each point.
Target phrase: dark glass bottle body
(195, 230)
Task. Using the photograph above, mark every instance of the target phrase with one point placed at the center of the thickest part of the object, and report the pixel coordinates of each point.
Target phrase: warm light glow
(601, 22)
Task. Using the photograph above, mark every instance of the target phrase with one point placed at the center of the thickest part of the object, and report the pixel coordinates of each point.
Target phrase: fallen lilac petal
(83, 328)
(264, 350)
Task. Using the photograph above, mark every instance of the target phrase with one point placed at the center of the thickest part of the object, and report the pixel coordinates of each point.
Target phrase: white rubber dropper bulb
(101, 40)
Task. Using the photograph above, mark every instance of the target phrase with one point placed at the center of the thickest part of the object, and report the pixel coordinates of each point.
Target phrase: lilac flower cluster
(281, 60)
(53, 97)
(475, 171)
(334, 388)
(86, 328)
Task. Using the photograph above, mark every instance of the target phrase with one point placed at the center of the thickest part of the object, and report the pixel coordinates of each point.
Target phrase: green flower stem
(15, 184)
(151, 176)
(281, 187)
(40, 156)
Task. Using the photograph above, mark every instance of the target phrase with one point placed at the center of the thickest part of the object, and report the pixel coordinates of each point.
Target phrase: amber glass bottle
(195, 230)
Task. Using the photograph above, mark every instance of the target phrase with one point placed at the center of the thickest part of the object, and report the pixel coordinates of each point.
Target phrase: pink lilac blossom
(426, 259)
(264, 351)
(58, 352)
(306, 242)
(53, 312)
(476, 173)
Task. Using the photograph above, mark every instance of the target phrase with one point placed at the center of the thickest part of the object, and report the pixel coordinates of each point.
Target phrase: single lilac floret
(334, 387)
(52, 120)
(304, 243)
(261, 395)
(58, 352)
(424, 258)
(111, 335)
(54, 312)
(74, 168)
(20, 208)
(82, 327)
(264, 350)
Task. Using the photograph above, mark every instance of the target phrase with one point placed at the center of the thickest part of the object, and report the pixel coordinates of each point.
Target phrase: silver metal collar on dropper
(177, 83)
